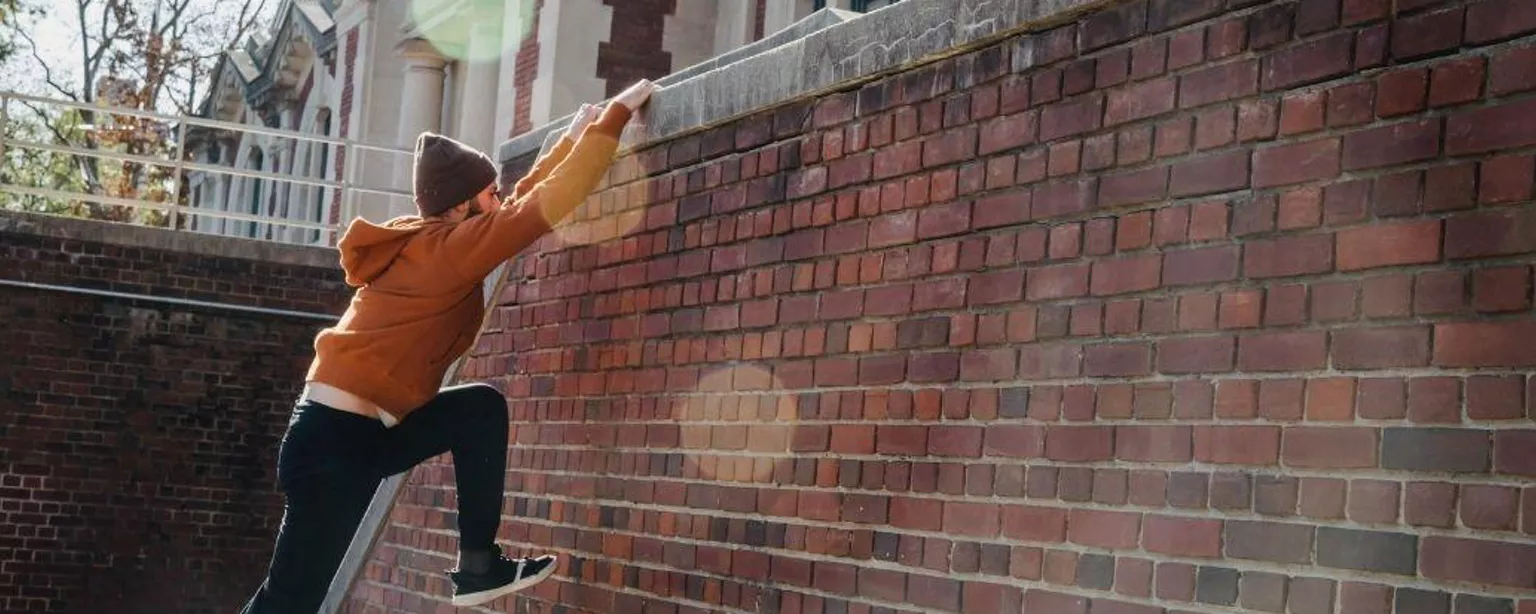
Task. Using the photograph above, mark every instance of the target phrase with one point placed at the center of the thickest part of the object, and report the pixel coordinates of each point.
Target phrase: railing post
(5, 121)
(181, 157)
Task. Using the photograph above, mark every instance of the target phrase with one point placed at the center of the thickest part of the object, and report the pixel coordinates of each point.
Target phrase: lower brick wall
(138, 439)
(1183, 306)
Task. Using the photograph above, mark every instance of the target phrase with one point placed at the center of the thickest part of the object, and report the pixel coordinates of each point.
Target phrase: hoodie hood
(368, 249)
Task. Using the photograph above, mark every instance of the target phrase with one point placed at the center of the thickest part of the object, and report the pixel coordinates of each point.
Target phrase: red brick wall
(1216, 306)
(525, 70)
(633, 50)
(138, 440)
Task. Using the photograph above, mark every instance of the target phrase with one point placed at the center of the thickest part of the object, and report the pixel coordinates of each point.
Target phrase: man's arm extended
(478, 245)
(541, 168)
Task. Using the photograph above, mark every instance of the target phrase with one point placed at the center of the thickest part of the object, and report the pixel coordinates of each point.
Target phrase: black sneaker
(505, 576)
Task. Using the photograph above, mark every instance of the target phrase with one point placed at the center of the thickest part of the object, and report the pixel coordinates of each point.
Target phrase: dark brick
(1216, 585)
(1435, 449)
(1418, 601)
(1269, 541)
(1095, 571)
(1395, 553)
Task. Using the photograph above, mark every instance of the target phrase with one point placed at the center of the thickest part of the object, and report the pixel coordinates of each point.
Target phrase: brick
(1456, 82)
(1113, 26)
(1514, 452)
(1103, 529)
(1008, 132)
(1329, 447)
(1473, 604)
(1309, 62)
(1219, 83)
(1035, 524)
(1289, 256)
(1257, 120)
(1061, 198)
(1322, 498)
(1038, 600)
(1262, 592)
(1269, 541)
(1133, 187)
(918, 514)
(1079, 443)
(934, 593)
(1429, 504)
(1056, 282)
(1071, 118)
(1140, 101)
(1434, 400)
(1298, 163)
(1499, 19)
(1392, 145)
(1118, 360)
(1419, 601)
(1302, 112)
(1490, 233)
(1282, 351)
(1435, 449)
(1489, 507)
(1380, 348)
(1481, 562)
(1496, 397)
(1487, 344)
(1167, 14)
(1311, 595)
(1362, 598)
(1216, 585)
(1271, 26)
(1489, 129)
(1175, 581)
(1237, 445)
(1125, 275)
(1210, 174)
(1154, 443)
(1015, 441)
(1197, 355)
(981, 598)
(1512, 71)
(1187, 537)
(1382, 552)
(1374, 501)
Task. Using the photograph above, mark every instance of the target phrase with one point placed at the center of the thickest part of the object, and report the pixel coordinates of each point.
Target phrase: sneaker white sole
(473, 599)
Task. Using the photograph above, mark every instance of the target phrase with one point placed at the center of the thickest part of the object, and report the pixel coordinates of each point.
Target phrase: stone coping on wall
(827, 50)
(130, 235)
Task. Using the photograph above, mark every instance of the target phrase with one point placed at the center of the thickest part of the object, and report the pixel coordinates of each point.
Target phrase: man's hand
(584, 117)
(636, 95)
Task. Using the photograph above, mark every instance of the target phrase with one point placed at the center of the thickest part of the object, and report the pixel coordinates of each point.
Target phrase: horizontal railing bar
(210, 123)
(148, 204)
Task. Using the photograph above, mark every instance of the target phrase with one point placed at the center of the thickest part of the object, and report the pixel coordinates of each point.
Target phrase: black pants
(332, 461)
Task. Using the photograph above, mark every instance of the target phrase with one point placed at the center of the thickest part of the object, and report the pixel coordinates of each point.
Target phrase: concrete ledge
(826, 51)
(169, 240)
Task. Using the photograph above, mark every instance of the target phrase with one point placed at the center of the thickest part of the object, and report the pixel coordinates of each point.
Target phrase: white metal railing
(345, 188)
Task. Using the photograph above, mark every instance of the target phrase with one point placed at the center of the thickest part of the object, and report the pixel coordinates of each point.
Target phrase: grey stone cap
(131, 235)
(825, 51)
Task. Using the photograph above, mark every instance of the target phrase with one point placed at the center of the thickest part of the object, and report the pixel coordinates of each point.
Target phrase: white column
(733, 26)
(780, 14)
(482, 71)
(422, 105)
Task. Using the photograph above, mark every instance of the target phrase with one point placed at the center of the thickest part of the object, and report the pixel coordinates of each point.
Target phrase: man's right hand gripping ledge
(547, 195)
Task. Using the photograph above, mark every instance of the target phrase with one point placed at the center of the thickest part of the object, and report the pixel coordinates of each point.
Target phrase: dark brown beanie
(448, 173)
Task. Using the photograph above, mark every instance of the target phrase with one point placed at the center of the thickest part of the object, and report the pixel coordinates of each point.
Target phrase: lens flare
(736, 426)
(475, 31)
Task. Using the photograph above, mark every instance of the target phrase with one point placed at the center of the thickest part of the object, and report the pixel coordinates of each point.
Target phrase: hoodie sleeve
(478, 245)
(542, 166)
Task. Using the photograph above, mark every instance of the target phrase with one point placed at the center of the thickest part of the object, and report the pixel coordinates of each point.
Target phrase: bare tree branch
(47, 72)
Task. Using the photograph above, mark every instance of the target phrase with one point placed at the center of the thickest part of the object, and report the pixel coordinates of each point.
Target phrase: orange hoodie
(419, 302)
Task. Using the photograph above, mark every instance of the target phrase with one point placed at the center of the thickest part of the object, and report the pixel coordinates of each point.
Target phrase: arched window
(253, 191)
(320, 159)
